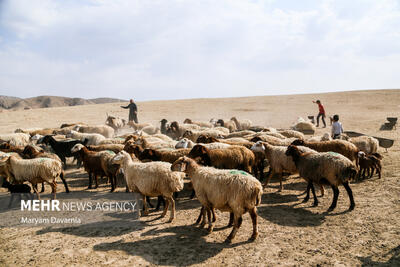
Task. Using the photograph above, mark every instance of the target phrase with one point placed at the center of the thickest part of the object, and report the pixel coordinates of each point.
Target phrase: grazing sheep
(234, 157)
(16, 139)
(278, 160)
(345, 148)
(91, 162)
(227, 190)
(199, 123)
(92, 138)
(241, 125)
(369, 163)
(151, 179)
(103, 130)
(35, 171)
(328, 167)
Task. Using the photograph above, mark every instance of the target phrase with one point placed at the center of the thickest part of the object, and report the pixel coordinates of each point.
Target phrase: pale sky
(169, 49)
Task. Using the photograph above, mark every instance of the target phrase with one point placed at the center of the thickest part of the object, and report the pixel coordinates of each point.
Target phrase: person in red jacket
(321, 113)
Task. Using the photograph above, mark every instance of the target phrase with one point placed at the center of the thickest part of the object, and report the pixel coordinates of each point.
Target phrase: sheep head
(183, 143)
(188, 134)
(293, 151)
(188, 121)
(120, 157)
(298, 142)
(180, 165)
(258, 147)
(77, 148)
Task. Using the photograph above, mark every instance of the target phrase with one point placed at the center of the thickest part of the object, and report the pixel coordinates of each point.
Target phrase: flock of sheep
(224, 160)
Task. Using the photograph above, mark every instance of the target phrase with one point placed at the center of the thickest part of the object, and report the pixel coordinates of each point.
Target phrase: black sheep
(17, 189)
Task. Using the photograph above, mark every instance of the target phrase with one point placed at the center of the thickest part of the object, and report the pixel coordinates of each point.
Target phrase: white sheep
(151, 179)
(227, 190)
(104, 130)
(16, 139)
(367, 144)
(92, 138)
(35, 171)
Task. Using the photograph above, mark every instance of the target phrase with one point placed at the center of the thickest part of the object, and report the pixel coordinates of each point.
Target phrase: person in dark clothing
(321, 113)
(132, 111)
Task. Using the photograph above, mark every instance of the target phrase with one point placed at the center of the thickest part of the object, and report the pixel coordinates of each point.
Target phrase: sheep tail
(257, 193)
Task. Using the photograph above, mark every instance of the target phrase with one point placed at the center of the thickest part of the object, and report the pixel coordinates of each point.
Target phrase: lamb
(369, 163)
(92, 138)
(330, 167)
(30, 152)
(103, 130)
(241, 125)
(91, 162)
(17, 189)
(35, 171)
(62, 148)
(345, 148)
(234, 157)
(227, 190)
(151, 179)
(16, 139)
(199, 123)
(278, 160)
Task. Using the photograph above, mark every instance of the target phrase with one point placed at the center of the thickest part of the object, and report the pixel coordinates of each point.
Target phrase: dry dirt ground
(291, 233)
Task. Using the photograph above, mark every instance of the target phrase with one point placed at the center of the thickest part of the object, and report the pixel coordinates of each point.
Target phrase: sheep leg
(210, 223)
(214, 218)
(64, 182)
(236, 224)
(34, 186)
(96, 180)
(113, 182)
(335, 197)
(200, 215)
(90, 181)
(54, 188)
(268, 178)
(280, 182)
(172, 201)
(165, 207)
(231, 217)
(350, 193)
(145, 208)
(314, 195)
(11, 200)
(42, 188)
(64, 161)
(308, 192)
(322, 190)
(160, 200)
(203, 214)
(253, 215)
(149, 202)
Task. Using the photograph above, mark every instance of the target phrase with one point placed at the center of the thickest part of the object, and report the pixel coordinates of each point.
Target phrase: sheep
(62, 148)
(115, 122)
(241, 125)
(227, 190)
(278, 160)
(151, 179)
(155, 143)
(16, 139)
(193, 135)
(369, 163)
(138, 126)
(272, 140)
(6, 147)
(112, 147)
(91, 162)
(164, 126)
(165, 155)
(330, 167)
(225, 131)
(240, 134)
(176, 130)
(110, 169)
(367, 144)
(304, 126)
(103, 130)
(17, 189)
(199, 123)
(30, 152)
(230, 125)
(92, 138)
(345, 148)
(232, 141)
(234, 157)
(292, 133)
(32, 132)
(35, 171)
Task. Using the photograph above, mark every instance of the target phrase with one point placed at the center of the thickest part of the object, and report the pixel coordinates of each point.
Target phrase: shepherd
(321, 113)
(132, 111)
